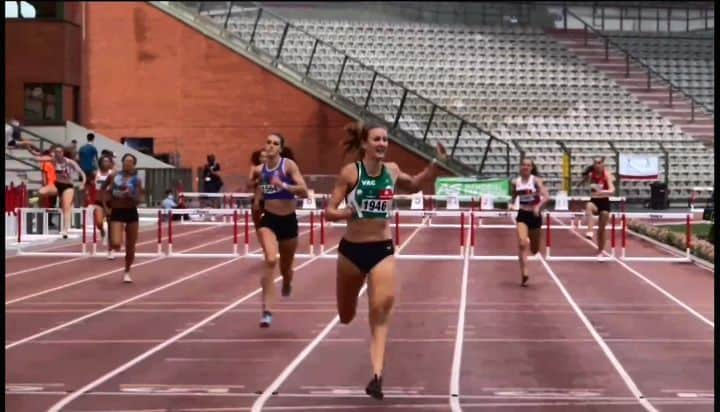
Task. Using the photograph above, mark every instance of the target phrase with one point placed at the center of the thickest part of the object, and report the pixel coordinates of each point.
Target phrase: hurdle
(606, 256)
(683, 259)
(24, 238)
(234, 238)
(694, 195)
(214, 212)
(87, 227)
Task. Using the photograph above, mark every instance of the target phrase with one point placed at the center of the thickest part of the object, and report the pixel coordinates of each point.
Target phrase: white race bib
(374, 205)
(452, 203)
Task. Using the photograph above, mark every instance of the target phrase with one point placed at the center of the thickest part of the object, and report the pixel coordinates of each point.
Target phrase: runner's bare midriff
(367, 230)
(280, 207)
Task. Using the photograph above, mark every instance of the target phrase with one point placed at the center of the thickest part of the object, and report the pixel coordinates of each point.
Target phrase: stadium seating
(687, 61)
(518, 84)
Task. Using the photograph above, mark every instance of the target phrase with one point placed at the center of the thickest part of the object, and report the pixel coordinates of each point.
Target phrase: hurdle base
(429, 257)
(682, 259)
(51, 254)
(579, 259)
(203, 255)
(297, 255)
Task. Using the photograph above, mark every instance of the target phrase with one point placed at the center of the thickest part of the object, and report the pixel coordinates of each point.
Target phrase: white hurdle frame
(87, 217)
(473, 224)
(247, 224)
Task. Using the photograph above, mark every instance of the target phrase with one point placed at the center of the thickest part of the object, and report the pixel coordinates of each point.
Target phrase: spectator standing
(88, 160)
(12, 133)
(212, 182)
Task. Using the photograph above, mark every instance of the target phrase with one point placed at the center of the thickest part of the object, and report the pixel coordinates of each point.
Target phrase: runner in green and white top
(371, 198)
(367, 248)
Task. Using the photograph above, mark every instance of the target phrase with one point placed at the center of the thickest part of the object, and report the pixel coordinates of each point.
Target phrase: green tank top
(372, 196)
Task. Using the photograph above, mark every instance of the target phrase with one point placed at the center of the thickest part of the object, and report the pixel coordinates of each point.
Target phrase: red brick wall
(73, 11)
(39, 52)
(150, 75)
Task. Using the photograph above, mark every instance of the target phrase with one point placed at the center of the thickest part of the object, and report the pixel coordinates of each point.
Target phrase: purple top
(271, 192)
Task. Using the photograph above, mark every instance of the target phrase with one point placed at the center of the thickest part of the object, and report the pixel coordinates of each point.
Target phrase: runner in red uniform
(601, 187)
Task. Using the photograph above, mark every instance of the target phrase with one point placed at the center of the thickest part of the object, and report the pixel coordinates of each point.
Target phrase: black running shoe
(524, 280)
(374, 388)
(266, 319)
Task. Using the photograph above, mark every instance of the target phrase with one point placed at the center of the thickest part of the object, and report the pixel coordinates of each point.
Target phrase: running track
(184, 336)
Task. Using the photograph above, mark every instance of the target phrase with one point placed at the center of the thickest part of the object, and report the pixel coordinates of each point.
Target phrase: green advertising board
(465, 186)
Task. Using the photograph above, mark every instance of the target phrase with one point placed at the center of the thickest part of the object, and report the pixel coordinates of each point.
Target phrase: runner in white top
(532, 195)
(106, 169)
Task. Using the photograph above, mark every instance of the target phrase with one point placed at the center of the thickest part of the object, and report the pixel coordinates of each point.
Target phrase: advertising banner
(464, 186)
(639, 167)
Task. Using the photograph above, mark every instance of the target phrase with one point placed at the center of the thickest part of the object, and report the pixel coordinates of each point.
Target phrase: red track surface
(523, 348)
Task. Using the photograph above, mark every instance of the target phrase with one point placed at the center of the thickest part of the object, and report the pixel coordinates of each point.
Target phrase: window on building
(33, 10)
(43, 103)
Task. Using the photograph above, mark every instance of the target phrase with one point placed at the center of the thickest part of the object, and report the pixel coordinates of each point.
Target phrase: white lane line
(66, 243)
(260, 401)
(77, 282)
(121, 303)
(460, 335)
(32, 269)
(79, 392)
(675, 252)
(118, 304)
(657, 287)
(362, 340)
(605, 348)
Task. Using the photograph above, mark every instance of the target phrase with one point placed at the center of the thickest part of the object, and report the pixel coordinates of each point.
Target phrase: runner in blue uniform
(280, 181)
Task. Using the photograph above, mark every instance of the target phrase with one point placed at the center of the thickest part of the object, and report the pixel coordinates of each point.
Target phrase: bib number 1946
(373, 205)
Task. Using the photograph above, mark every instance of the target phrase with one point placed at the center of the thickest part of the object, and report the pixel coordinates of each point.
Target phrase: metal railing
(428, 119)
(669, 9)
(43, 142)
(629, 56)
(32, 166)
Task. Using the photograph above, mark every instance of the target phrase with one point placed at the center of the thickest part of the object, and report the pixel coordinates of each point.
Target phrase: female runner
(126, 192)
(602, 185)
(63, 186)
(280, 182)
(105, 170)
(532, 196)
(257, 160)
(367, 248)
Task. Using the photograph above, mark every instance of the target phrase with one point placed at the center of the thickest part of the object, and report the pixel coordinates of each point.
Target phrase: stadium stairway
(269, 61)
(592, 51)
(21, 167)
